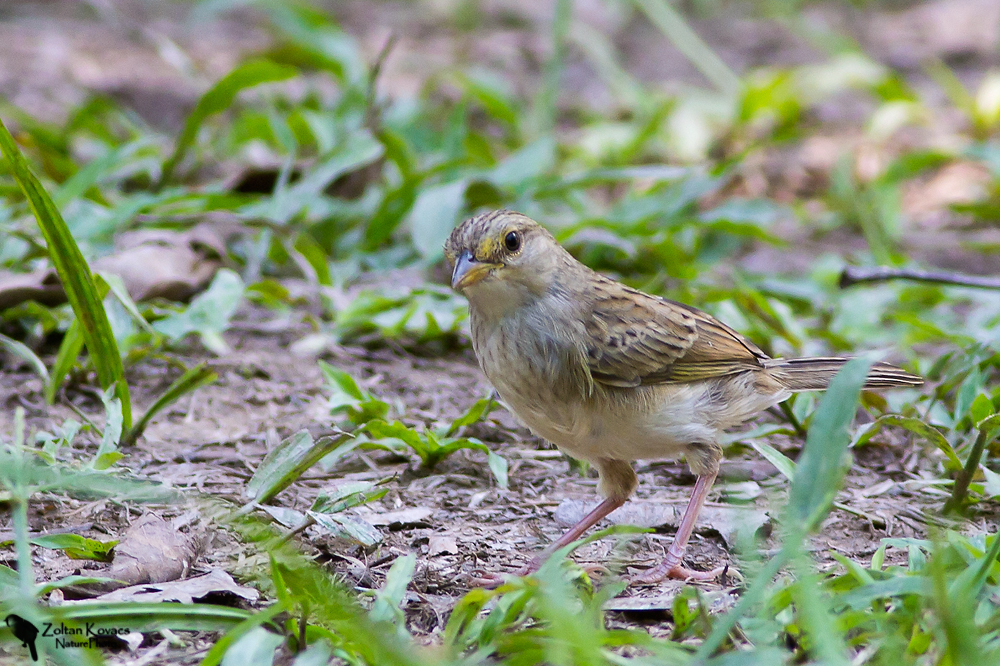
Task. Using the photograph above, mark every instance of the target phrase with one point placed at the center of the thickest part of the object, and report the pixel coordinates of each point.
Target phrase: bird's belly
(648, 423)
(605, 427)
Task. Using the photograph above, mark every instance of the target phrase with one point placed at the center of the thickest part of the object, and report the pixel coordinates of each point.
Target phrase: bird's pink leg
(575, 532)
(671, 567)
(588, 521)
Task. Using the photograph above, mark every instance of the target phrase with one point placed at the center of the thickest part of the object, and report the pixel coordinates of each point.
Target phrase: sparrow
(610, 374)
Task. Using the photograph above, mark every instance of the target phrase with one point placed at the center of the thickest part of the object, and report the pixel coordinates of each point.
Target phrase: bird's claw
(677, 572)
(486, 579)
(490, 580)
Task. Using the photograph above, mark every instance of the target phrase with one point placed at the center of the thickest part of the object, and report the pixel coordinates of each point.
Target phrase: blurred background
(272, 183)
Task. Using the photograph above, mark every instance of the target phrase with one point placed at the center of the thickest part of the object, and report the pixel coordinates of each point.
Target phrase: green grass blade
(971, 581)
(825, 640)
(152, 616)
(70, 348)
(783, 463)
(753, 596)
(602, 55)
(218, 650)
(69, 351)
(546, 104)
(218, 99)
(289, 461)
(670, 22)
(389, 599)
(198, 376)
(75, 275)
(820, 468)
(117, 287)
(22, 351)
(915, 426)
(960, 639)
(498, 465)
(987, 429)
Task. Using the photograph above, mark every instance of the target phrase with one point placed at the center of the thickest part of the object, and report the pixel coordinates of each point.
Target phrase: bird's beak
(468, 271)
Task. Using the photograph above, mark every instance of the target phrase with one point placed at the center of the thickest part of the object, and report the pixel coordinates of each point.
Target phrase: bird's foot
(676, 571)
(486, 579)
(491, 580)
(599, 569)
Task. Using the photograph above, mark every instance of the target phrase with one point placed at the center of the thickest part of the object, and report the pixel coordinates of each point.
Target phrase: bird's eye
(512, 241)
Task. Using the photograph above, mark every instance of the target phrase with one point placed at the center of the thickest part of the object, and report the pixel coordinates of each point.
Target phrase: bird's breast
(543, 378)
(539, 373)
(525, 355)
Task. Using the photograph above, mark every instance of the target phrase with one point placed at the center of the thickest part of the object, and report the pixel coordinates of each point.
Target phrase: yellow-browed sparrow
(610, 374)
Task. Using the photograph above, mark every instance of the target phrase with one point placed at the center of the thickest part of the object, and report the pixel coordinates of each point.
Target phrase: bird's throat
(494, 300)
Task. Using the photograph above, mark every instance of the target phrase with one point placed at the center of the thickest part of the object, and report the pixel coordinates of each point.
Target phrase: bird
(610, 374)
(24, 631)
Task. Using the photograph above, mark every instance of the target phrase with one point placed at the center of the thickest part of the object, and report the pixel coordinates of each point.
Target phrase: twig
(877, 521)
(306, 524)
(853, 275)
(302, 630)
(79, 412)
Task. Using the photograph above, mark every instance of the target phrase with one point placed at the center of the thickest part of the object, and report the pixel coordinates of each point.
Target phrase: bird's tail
(814, 374)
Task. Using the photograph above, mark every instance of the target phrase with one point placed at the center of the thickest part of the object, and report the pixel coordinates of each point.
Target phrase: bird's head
(503, 258)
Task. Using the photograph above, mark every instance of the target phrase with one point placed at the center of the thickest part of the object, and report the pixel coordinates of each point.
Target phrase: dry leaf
(185, 591)
(152, 263)
(150, 552)
(441, 543)
(410, 517)
(41, 286)
(717, 601)
(160, 264)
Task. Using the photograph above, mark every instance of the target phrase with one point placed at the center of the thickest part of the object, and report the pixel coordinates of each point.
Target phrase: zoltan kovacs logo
(65, 636)
(25, 632)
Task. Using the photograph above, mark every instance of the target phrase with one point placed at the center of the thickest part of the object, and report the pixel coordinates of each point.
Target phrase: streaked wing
(635, 340)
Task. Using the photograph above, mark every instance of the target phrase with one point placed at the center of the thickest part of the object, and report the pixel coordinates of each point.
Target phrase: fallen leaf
(285, 516)
(718, 601)
(185, 591)
(746, 470)
(663, 600)
(740, 491)
(153, 263)
(41, 286)
(133, 640)
(410, 517)
(441, 543)
(347, 527)
(151, 551)
(879, 488)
